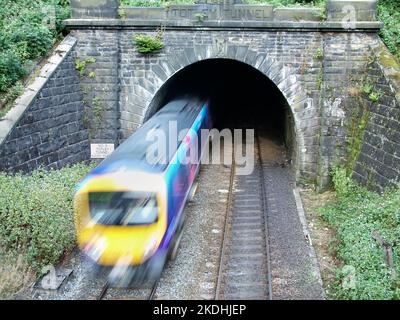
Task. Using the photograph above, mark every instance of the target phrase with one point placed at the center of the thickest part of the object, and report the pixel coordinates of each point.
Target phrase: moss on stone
(391, 68)
(387, 60)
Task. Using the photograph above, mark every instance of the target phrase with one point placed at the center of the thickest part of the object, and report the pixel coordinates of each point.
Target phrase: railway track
(150, 296)
(244, 271)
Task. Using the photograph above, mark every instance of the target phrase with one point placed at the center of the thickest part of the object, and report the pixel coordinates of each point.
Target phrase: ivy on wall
(93, 106)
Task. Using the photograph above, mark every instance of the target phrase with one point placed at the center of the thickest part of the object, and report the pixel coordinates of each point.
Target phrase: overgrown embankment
(36, 222)
(28, 29)
(367, 226)
(389, 14)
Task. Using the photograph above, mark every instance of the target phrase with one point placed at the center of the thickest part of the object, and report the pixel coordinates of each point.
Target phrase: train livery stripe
(173, 172)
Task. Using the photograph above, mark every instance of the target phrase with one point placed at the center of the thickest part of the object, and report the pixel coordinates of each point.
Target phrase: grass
(15, 273)
(355, 216)
(37, 224)
(323, 237)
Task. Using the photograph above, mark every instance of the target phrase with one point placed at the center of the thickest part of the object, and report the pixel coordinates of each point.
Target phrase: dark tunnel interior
(240, 96)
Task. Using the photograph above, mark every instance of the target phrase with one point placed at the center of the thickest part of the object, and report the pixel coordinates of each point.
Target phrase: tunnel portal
(240, 96)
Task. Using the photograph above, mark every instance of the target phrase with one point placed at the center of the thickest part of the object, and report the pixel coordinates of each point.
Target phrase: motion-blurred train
(128, 210)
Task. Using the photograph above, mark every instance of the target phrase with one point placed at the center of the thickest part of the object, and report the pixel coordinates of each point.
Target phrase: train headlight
(149, 249)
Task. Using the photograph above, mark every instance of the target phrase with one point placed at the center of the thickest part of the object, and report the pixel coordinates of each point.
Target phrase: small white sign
(101, 150)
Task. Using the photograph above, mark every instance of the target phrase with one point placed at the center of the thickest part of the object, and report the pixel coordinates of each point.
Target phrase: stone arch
(283, 76)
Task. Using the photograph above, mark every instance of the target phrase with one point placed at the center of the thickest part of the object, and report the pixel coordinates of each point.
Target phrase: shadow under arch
(286, 77)
(240, 96)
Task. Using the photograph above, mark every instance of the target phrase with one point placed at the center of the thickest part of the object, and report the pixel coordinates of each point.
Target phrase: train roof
(132, 153)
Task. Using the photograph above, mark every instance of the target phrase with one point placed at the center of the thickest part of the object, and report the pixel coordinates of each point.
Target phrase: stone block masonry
(46, 129)
(281, 43)
(100, 82)
(313, 63)
(287, 57)
(378, 162)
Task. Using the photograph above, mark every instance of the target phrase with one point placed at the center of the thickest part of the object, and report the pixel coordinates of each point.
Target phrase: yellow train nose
(107, 246)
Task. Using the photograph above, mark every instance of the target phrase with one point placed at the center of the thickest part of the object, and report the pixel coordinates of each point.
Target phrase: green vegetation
(319, 54)
(389, 14)
(357, 216)
(7, 99)
(93, 105)
(149, 44)
(36, 214)
(356, 134)
(121, 13)
(369, 90)
(97, 111)
(200, 17)
(11, 70)
(374, 96)
(80, 66)
(28, 29)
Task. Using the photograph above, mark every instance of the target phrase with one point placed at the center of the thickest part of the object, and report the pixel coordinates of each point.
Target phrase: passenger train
(129, 211)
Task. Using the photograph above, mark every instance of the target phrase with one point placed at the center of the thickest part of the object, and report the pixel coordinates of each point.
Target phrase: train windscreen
(123, 208)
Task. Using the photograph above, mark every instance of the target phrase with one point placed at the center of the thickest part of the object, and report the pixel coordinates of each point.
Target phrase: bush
(148, 44)
(25, 36)
(7, 100)
(36, 39)
(11, 69)
(342, 181)
(355, 215)
(389, 14)
(36, 213)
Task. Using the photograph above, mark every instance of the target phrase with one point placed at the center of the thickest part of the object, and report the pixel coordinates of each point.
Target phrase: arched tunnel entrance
(240, 96)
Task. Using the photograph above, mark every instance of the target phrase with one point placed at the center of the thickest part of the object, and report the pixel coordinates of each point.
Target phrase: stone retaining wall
(45, 128)
(378, 164)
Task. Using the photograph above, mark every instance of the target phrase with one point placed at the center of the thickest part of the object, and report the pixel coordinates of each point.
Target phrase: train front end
(121, 220)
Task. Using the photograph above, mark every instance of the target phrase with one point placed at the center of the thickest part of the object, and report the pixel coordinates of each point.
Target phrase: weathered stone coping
(24, 101)
(390, 68)
(337, 15)
(327, 26)
(207, 10)
(237, 12)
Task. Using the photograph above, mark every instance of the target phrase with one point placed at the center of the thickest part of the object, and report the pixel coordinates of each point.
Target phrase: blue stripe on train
(179, 178)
